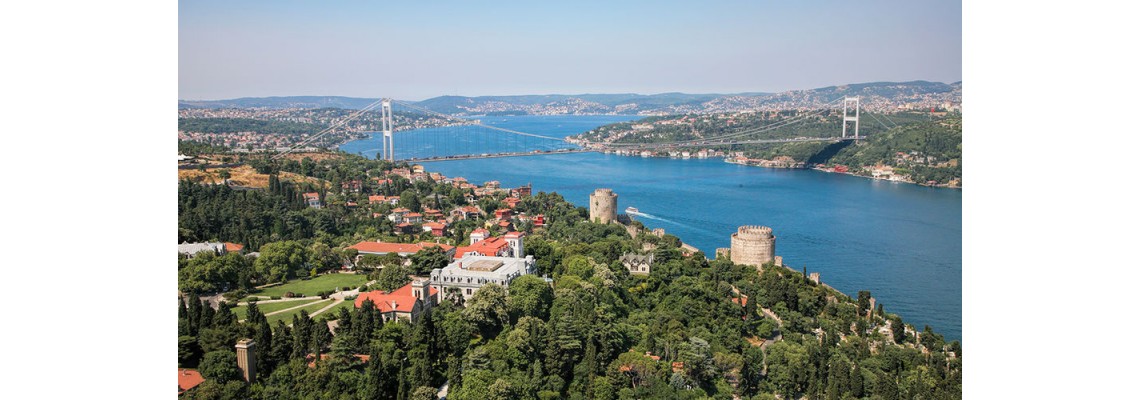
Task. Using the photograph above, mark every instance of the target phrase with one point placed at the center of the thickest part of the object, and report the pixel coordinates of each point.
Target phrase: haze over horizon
(416, 52)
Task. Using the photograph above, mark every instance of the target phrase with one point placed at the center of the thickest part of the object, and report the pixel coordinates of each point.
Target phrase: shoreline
(728, 160)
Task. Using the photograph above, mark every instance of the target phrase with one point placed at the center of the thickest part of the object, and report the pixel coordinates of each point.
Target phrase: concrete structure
(247, 363)
(814, 277)
(603, 206)
(471, 272)
(639, 264)
(753, 245)
(192, 249)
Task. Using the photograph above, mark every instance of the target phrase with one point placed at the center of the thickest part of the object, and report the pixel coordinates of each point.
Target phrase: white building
(471, 272)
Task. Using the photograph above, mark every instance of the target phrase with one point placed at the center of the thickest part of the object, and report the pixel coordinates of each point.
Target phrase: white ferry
(631, 210)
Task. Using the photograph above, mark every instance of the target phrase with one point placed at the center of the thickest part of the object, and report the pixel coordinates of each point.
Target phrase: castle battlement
(753, 245)
(754, 232)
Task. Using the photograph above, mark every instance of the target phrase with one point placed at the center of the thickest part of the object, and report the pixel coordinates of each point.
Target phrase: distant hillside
(877, 96)
(281, 102)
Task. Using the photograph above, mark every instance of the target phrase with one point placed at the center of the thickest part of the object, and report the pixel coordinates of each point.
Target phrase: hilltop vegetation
(693, 328)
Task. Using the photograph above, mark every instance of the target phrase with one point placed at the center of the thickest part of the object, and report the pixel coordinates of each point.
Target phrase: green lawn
(267, 308)
(349, 304)
(288, 316)
(310, 287)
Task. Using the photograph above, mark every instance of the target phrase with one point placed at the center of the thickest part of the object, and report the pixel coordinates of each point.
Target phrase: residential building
(639, 264)
(405, 303)
(466, 275)
(313, 199)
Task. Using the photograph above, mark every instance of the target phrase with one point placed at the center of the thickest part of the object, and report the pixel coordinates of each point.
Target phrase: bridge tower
(386, 128)
(848, 118)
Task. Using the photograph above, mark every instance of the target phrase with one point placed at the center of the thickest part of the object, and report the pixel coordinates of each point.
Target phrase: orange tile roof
(403, 297)
(312, 195)
(233, 246)
(488, 247)
(383, 247)
(188, 379)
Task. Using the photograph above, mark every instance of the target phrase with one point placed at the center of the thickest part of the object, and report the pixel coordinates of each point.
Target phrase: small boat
(631, 210)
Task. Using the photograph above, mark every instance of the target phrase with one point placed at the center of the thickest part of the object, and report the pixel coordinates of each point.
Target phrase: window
(468, 290)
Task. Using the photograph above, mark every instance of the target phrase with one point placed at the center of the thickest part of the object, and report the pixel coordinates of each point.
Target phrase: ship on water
(631, 210)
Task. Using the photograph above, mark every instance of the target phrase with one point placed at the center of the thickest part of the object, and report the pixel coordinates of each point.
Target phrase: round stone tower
(603, 206)
(753, 245)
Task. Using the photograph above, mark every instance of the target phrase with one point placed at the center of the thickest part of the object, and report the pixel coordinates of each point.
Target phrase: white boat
(631, 210)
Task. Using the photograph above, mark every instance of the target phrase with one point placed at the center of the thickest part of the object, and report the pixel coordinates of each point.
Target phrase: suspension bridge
(469, 138)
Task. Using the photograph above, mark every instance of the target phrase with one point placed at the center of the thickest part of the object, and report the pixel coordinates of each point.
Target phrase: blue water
(902, 242)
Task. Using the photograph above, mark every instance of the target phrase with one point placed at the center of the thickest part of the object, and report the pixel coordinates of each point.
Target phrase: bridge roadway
(611, 146)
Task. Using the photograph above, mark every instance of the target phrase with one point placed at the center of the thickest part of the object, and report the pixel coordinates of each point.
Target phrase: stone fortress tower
(753, 245)
(603, 206)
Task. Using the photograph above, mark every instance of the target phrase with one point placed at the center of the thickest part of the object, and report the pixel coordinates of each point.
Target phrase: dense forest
(693, 328)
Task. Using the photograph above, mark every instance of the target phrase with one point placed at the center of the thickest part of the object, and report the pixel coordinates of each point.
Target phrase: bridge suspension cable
(331, 128)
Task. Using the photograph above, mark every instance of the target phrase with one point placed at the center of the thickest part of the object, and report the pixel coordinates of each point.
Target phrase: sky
(418, 50)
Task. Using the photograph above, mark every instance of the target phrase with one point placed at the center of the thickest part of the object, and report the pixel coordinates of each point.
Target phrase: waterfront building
(603, 206)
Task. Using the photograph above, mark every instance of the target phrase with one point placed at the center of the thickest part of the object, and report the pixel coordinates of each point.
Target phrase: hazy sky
(420, 49)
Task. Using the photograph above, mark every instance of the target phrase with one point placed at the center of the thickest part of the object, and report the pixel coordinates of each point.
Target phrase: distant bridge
(473, 139)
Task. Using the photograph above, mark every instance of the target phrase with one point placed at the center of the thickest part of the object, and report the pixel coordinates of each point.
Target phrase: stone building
(753, 245)
(637, 263)
(603, 206)
(245, 359)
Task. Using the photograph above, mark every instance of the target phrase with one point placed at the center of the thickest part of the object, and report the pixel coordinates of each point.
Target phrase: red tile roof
(233, 246)
(403, 297)
(188, 379)
(314, 195)
(382, 247)
(488, 247)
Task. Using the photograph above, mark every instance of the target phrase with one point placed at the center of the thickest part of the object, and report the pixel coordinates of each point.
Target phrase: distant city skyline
(414, 51)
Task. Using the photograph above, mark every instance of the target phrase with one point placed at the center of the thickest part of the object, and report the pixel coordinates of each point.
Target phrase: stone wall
(603, 206)
(753, 245)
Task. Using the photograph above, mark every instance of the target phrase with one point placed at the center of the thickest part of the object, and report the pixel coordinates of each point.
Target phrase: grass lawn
(288, 316)
(267, 308)
(310, 287)
(349, 304)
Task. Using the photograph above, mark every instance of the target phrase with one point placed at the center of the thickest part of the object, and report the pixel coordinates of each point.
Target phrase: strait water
(902, 242)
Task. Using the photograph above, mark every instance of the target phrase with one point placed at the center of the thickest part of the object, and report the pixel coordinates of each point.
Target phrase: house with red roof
(405, 303)
(503, 213)
(188, 379)
(466, 213)
(437, 229)
(233, 247)
(313, 199)
(509, 245)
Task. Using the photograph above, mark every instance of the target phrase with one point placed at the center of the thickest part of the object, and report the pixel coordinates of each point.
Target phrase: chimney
(246, 361)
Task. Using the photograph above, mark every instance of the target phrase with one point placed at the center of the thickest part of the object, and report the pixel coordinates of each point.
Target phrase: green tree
(864, 302)
(487, 309)
(425, 260)
(392, 277)
(220, 366)
(280, 261)
(530, 296)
